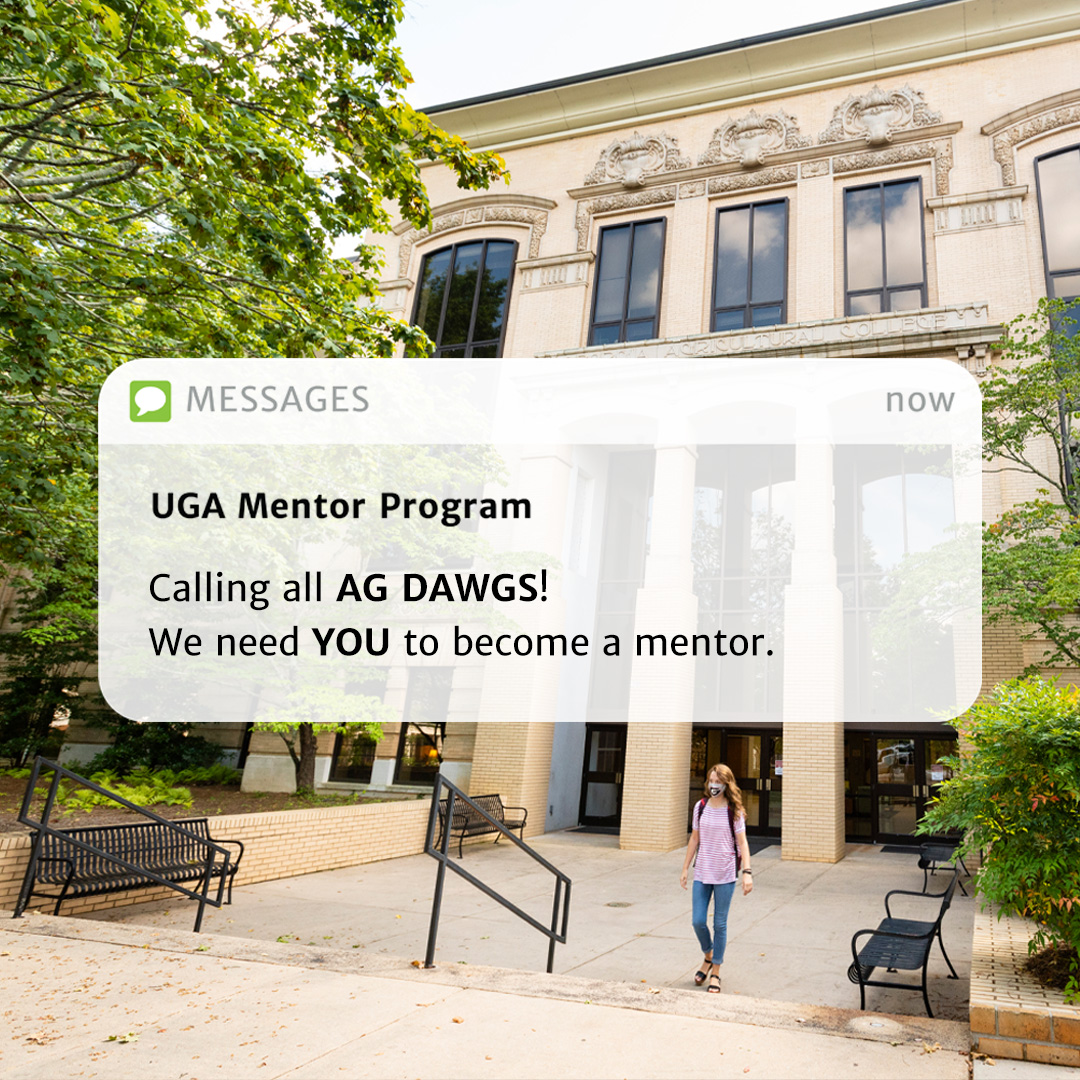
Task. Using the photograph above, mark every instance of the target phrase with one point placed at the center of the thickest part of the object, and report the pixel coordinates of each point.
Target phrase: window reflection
(751, 266)
(461, 302)
(883, 247)
(893, 504)
(626, 303)
(1059, 205)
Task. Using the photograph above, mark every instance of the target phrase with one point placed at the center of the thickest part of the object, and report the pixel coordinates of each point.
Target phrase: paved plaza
(790, 940)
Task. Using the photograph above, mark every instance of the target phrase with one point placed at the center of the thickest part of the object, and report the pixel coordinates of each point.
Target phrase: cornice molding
(479, 201)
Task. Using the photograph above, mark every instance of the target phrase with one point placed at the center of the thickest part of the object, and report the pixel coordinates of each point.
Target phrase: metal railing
(442, 854)
(43, 829)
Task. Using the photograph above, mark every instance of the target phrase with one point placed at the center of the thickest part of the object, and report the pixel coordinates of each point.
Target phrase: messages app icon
(151, 402)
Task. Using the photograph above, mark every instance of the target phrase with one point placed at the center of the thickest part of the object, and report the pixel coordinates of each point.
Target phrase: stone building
(891, 185)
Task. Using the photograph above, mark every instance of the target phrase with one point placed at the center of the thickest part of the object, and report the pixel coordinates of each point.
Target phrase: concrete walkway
(91, 999)
(790, 940)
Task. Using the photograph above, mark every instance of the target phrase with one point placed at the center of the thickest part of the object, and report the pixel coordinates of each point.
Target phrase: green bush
(158, 746)
(1016, 796)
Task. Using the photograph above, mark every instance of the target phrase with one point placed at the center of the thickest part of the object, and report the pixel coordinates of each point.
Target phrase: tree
(301, 719)
(1031, 556)
(158, 198)
(173, 177)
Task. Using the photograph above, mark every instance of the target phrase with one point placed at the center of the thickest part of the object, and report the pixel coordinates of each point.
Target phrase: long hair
(731, 789)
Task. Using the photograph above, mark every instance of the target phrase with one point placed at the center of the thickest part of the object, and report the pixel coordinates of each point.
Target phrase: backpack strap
(734, 838)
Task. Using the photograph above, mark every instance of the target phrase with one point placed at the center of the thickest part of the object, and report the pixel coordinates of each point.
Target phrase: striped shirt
(715, 863)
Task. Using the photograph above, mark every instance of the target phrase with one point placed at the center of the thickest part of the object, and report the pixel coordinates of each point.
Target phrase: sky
(463, 48)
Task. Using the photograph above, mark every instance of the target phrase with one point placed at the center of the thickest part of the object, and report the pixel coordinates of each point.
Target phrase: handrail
(45, 829)
(442, 854)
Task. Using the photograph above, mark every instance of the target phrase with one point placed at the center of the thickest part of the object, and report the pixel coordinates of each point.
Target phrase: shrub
(158, 746)
(1016, 796)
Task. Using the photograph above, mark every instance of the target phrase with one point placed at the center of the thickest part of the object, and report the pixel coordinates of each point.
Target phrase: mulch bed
(208, 801)
(1052, 965)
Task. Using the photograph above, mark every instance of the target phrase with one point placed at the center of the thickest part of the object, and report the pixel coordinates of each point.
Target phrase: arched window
(463, 295)
(1058, 179)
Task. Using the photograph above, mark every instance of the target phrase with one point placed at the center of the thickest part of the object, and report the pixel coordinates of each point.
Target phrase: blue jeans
(721, 897)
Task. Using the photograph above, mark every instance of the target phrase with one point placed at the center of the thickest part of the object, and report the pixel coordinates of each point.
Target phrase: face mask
(716, 789)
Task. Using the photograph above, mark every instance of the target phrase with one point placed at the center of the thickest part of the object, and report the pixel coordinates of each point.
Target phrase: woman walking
(723, 855)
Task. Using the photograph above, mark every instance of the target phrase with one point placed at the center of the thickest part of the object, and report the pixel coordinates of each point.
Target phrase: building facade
(890, 186)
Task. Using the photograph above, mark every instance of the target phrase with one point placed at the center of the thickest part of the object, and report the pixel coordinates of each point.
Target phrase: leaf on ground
(654, 989)
(130, 1037)
(930, 1048)
(415, 963)
(459, 1020)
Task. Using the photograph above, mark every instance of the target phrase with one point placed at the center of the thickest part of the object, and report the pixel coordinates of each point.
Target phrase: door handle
(618, 778)
(915, 790)
(768, 785)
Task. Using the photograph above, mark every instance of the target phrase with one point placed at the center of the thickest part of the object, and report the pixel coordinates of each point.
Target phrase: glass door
(890, 780)
(601, 782)
(757, 760)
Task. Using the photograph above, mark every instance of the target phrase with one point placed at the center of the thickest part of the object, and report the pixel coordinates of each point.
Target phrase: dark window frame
(748, 307)
(633, 225)
(1048, 274)
(469, 344)
(885, 290)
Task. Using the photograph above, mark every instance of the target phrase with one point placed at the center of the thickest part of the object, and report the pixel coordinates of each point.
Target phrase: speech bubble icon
(150, 401)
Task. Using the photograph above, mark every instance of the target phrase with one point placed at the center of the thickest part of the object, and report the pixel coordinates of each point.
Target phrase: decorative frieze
(535, 217)
(875, 115)
(815, 168)
(939, 152)
(786, 174)
(628, 161)
(1006, 140)
(694, 189)
(748, 139)
(889, 332)
(654, 196)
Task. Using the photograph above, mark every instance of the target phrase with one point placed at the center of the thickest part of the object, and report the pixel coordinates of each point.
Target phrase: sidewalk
(187, 1007)
(790, 940)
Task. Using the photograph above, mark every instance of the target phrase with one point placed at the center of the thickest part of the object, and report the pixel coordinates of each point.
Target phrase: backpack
(734, 841)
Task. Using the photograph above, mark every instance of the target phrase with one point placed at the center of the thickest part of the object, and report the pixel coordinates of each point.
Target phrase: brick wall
(1012, 1015)
(277, 845)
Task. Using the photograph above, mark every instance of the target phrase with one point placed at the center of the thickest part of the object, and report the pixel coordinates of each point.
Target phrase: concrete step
(755, 1012)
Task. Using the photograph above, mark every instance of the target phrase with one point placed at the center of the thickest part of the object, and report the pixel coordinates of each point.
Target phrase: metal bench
(176, 855)
(932, 856)
(900, 945)
(467, 822)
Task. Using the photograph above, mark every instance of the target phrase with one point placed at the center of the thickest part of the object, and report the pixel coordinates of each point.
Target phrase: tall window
(1059, 209)
(626, 306)
(461, 302)
(883, 245)
(749, 284)
(354, 752)
(427, 704)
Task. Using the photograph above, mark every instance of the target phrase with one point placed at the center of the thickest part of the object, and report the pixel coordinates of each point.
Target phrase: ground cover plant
(1015, 794)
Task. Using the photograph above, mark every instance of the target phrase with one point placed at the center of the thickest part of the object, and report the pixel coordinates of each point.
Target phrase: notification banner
(550, 540)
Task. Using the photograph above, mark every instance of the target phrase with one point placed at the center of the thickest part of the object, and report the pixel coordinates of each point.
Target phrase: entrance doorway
(889, 780)
(602, 777)
(756, 757)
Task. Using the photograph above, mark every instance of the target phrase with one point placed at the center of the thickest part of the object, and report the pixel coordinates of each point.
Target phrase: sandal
(714, 989)
(703, 974)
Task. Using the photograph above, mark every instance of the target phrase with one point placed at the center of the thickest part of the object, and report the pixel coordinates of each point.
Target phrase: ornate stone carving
(524, 215)
(875, 115)
(785, 174)
(967, 212)
(940, 153)
(630, 160)
(692, 190)
(747, 139)
(648, 197)
(555, 272)
(815, 168)
(1005, 141)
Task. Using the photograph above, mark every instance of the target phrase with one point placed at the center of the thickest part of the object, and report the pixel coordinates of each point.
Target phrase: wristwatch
(748, 871)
